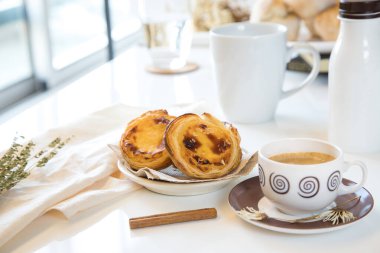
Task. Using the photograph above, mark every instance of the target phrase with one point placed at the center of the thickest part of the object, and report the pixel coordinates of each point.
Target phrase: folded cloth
(79, 177)
(103, 190)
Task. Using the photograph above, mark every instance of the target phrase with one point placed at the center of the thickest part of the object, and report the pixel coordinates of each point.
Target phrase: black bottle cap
(357, 9)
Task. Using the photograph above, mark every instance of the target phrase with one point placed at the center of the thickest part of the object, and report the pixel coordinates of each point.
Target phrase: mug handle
(345, 189)
(303, 47)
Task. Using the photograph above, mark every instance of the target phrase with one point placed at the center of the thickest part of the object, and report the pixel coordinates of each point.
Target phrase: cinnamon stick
(169, 218)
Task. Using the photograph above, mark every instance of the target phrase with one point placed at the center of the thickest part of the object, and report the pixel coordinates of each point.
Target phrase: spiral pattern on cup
(308, 187)
(334, 181)
(279, 183)
(261, 176)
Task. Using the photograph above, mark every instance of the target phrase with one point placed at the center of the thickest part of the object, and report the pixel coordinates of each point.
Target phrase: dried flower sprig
(18, 160)
(334, 215)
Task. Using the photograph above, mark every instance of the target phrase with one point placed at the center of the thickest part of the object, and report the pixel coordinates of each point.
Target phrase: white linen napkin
(101, 191)
(80, 176)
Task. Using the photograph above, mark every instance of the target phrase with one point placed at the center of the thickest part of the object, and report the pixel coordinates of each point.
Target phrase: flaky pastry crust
(202, 146)
(142, 143)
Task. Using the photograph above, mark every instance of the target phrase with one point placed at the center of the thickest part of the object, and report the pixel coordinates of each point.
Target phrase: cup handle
(303, 47)
(344, 189)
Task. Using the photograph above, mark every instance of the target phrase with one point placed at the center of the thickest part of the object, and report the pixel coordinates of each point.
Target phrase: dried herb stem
(47, 154)
(15, 162)
(334, 215)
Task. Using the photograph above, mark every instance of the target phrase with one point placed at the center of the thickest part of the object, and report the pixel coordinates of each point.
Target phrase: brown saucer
(248, 193)
(190, 66)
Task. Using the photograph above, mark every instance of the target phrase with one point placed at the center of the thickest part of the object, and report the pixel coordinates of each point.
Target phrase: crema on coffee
(302, 158)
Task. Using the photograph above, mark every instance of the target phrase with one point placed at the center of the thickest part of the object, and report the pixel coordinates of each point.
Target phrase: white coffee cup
(249, 61)
(304, 188)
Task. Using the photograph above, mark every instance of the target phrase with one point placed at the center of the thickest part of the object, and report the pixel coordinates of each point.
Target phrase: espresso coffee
(302, 158)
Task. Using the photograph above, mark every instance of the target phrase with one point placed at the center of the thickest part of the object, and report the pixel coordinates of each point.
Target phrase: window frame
(45, 76)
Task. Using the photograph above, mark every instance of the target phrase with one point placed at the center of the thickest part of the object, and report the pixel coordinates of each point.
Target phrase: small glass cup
(168, 31)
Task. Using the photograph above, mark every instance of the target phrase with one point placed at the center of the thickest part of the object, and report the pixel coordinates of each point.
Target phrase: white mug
(304, 188)
(249, 61)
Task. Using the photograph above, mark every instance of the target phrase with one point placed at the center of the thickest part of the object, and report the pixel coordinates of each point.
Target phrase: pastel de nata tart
(142, 143)
(202, 146)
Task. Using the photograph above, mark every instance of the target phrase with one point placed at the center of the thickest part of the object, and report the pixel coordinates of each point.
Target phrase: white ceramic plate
(176, 189)
(323, 47)
(202, 39)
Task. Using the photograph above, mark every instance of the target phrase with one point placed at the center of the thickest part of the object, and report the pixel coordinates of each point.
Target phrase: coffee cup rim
(216, 31)
(264, 157)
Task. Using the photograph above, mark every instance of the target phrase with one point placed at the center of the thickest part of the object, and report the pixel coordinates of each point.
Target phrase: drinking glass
(168, 31)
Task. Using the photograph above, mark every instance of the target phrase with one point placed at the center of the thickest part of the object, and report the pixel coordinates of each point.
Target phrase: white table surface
(105, 228)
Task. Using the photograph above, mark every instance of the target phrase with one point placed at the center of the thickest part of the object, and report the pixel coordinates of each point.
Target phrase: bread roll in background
(309, 24)
(292, 22)
(208, 14)
(326, 24)
(304, 19)
(277, 12)
(264, 10)
(308, 8)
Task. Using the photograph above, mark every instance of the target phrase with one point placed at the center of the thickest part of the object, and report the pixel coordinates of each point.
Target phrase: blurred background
(47, 43)
(44, 43)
